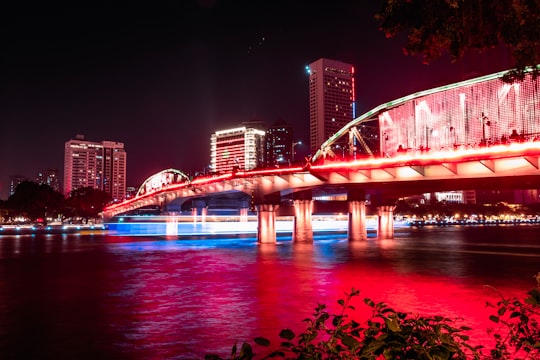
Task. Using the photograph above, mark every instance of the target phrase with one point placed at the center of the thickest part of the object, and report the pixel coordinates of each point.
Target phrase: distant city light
(308, 70)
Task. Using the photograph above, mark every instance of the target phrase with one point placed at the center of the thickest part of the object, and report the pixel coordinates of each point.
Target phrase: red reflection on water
(193, 301)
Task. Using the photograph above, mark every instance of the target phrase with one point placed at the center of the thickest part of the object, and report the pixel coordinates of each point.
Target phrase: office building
(100, 165)
(49, 177)
(331, 99)
(278, 145)
(239, 148)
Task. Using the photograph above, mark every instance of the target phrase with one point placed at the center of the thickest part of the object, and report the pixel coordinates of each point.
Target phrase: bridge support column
(266, 227)
(302, 226)
(243, 215)
(357, 221)
(386, 222)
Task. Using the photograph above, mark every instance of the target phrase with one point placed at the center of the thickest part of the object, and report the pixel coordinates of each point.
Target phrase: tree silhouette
(35, 201)
(87, 202)
(435, 27)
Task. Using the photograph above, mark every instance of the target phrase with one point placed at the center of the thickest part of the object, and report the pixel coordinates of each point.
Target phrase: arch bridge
(385, 179)
(480, 133)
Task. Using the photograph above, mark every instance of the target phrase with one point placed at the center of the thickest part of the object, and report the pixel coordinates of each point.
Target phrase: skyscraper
(331, 99)
(100, 165)
(240, 148)
(278, 144)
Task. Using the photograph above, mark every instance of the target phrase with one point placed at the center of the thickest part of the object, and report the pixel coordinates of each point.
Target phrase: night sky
(162, 77)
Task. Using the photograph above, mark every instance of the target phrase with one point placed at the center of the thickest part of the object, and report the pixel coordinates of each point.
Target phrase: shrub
(517, 332)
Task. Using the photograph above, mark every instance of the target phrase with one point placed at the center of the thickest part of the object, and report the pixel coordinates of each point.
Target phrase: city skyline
(161, 79)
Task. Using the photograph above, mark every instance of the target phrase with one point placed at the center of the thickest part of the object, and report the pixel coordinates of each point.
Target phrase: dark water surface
(111, 297)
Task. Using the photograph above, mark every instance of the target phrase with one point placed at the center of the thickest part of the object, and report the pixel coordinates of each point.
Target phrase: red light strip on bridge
(463, 155)
(438, 157)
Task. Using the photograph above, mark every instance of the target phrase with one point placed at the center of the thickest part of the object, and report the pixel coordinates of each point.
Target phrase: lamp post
(299, 142)
(342, 147)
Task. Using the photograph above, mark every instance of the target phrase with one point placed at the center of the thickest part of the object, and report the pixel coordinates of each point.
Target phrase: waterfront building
(331, 99)
(239, 148)
(455, 197)
(49, 177)
(100, 165)
(278, 145)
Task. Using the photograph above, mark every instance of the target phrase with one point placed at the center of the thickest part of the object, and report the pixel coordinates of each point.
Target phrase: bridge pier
(266, 223)
(357, 221)
(385, 228)
(356, 199)
(302, 225)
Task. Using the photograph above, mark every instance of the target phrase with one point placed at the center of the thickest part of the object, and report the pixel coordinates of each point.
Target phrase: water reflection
(124, 297)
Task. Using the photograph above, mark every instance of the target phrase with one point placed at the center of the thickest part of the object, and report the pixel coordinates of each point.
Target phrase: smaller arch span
(162, 180)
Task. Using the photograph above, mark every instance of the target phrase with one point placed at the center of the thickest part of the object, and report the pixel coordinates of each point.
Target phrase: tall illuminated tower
(278, 145)
(331, 99)
(100, 165)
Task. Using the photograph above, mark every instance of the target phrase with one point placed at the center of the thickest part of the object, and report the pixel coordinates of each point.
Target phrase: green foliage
(457, 26)
(517, 331)
(390, 334)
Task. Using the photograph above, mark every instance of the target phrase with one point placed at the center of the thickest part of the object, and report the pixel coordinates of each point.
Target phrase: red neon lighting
(435, 157)
(353, 86)
(475, 114)
(462, 155)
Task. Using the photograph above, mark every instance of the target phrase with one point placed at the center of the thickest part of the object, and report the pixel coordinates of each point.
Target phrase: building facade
(278, 145)
(100, 165)
(331, 99)
(238, 148)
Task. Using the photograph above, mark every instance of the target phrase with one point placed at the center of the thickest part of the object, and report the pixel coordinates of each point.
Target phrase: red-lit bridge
(509, 166)
(476, 134)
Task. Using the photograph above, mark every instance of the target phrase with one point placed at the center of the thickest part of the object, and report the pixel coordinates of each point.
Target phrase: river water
(131, 297)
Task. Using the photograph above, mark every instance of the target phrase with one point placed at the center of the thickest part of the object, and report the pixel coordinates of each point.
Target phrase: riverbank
(452, 222)
(236, 228)
(26, 229)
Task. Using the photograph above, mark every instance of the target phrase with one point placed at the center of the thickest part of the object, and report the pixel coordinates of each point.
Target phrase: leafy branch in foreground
(389, 334)
(455, 27)
(517, 335)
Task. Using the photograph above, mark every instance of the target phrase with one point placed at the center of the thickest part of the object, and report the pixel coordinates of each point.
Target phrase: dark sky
(162, 77)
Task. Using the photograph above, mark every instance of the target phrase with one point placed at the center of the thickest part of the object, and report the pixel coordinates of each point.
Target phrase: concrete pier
(357, 221)
(266, 227)
(302, 226)
(386, 222)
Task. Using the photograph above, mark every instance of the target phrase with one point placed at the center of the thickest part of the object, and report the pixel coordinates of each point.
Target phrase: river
(130, 297)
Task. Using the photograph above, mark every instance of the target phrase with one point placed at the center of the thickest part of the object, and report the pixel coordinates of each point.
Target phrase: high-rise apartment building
(100, 165)
(278, 145)
(331, 99)
(238, 148)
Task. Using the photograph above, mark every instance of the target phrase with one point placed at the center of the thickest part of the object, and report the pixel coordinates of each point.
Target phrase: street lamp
(342, 147)
(299, 142)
